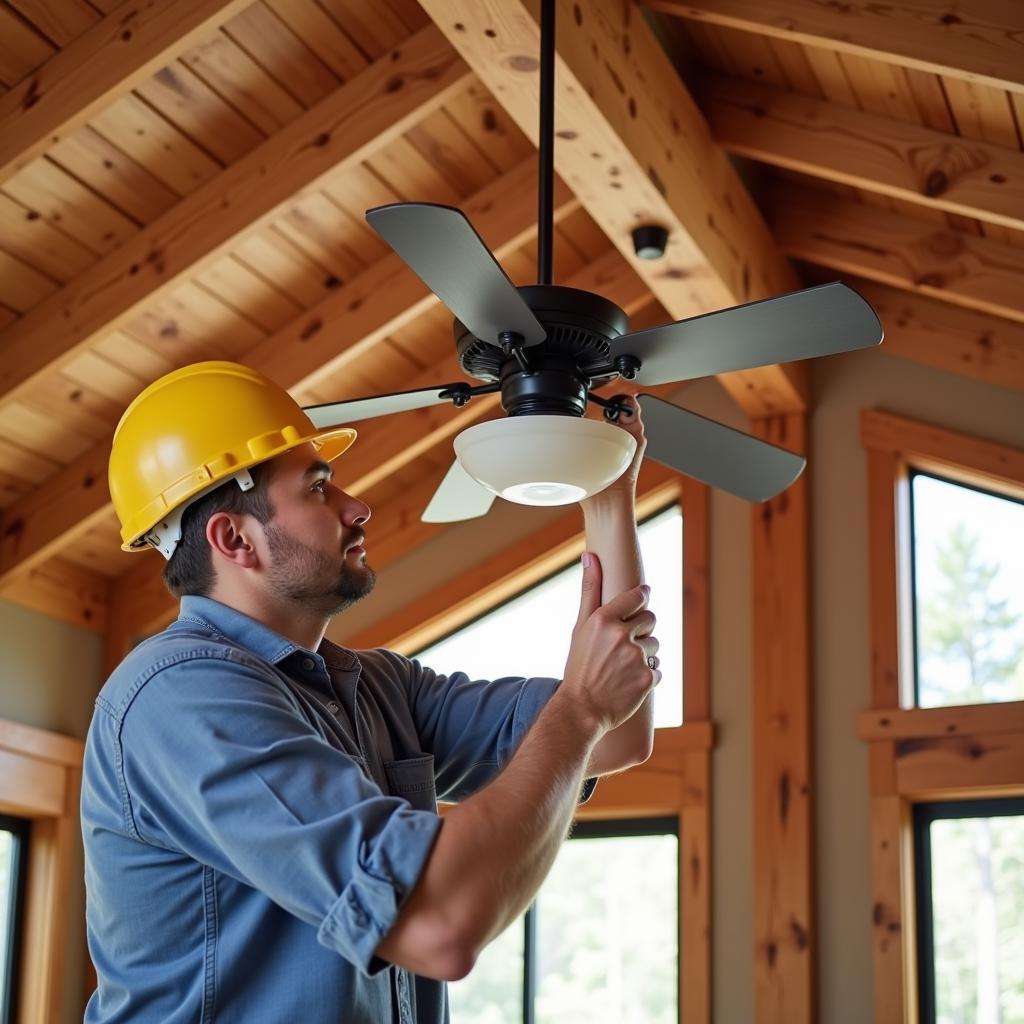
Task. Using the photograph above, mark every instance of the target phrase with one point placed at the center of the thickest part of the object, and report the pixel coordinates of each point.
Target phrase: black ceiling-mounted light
(650, 241)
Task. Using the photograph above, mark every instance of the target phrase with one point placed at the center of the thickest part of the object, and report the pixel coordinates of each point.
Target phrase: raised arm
(494, 849)
(610, 521)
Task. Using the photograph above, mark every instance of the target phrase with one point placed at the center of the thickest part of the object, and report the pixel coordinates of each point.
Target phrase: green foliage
(970, 629)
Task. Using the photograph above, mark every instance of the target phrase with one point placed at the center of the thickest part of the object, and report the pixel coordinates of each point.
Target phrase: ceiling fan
(548, 348)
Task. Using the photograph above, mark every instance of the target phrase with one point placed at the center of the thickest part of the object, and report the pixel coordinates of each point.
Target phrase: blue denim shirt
(255, 815)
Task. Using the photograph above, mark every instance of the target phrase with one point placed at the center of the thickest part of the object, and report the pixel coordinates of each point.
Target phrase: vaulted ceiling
(186, 179)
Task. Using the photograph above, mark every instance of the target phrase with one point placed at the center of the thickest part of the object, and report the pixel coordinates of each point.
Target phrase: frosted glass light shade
(544, 460)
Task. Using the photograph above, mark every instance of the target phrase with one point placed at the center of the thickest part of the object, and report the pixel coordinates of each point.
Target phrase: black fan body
(547, 348)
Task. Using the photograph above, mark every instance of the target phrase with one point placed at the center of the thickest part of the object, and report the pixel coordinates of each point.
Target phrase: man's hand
(607, 671)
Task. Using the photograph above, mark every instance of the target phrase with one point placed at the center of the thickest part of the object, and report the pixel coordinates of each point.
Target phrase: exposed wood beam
(895, 249)
(948, 337)
(635, 148)
(982, 41)
(63, 590)
(106, 62)
(340, 328)
(385, 446)
(785, 929)
(896, 158)
(359, 118)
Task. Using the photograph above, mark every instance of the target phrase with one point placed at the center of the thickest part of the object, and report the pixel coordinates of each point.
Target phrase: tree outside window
(969, 594)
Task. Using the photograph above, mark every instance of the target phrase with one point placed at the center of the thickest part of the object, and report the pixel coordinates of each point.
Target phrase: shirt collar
(243, 629)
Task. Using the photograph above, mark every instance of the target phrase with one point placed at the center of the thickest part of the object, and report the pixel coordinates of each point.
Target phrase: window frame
(14, 926)
(40, 779)
(920, 755)
(676, 780)
(923, 815)
(601, 828)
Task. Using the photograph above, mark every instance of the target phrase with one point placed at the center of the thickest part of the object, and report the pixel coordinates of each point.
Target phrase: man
(258, 804)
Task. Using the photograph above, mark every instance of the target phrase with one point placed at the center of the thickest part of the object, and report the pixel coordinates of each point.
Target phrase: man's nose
(353, 511)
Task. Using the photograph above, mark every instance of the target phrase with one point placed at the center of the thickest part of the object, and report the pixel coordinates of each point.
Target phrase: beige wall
(49, 676)
(843, 386)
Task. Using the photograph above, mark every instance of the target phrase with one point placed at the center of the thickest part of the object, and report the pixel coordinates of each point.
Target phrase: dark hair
(190, 570)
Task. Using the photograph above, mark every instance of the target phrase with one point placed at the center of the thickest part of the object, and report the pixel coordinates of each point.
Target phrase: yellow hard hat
(190, 431)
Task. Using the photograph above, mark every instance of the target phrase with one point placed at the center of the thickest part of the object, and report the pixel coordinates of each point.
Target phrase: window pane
(607, 933)
(493, 992)
(530, 634)
(7, 889)
(977, 892)
(968, 594)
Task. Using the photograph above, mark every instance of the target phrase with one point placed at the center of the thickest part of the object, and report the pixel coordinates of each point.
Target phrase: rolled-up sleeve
(217, 762)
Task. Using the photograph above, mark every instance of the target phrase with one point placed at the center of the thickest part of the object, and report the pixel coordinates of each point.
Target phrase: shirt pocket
(413, 780)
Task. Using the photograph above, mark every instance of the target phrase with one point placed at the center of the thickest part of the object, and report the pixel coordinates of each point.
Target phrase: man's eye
(320, 486)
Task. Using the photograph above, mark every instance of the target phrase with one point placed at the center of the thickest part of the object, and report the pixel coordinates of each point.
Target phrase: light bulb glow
(544, 493)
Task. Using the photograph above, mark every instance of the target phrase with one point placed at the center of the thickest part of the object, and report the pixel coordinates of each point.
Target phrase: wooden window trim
(920, 754)
(40, 779)
(676, 780)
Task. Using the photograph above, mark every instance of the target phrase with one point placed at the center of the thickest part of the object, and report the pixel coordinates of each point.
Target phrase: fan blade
(441, 246)
(457, 497)
(334, 414)
(817, 321)
(716, 454)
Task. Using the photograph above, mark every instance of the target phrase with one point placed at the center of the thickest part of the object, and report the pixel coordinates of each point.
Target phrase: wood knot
(950, 19)
(523, 62)
(936, 183)
(311, 328)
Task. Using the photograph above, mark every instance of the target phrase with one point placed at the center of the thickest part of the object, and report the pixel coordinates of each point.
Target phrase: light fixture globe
(544, 460)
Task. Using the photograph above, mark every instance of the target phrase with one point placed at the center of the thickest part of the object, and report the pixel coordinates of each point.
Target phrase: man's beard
(312, 578)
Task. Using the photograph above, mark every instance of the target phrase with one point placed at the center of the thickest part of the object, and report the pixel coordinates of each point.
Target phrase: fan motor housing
(560, 370)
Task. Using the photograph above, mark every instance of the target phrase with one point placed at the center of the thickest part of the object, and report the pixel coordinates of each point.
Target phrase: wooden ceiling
(185, 179)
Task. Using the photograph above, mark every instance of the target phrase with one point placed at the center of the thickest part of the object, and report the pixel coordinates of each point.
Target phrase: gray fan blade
(716, 454)
(334, 414)
(813, 322)
(457, 497)
(441, 246)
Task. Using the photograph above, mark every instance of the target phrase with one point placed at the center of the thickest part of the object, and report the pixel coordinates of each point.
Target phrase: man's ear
(229, 534)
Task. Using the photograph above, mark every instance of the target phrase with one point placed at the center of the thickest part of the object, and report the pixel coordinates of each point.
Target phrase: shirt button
(308, 664)
(333, 708)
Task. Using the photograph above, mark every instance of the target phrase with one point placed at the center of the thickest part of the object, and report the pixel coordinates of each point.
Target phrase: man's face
(314, 541)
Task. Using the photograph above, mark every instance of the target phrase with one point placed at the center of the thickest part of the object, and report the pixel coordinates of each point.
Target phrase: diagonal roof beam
(892, 248)
(981, 41)
(896, 158)
(358, 119)
(313, 348)
(107, 61)
(634, 147)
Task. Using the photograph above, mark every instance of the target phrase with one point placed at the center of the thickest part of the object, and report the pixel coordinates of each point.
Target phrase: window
(968, 595)
(493, 646)
(970, 885)
(599, 945)
(13, 837)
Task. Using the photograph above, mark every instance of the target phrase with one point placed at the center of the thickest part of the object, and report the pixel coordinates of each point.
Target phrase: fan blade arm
(443, 249)
(715, 454)
(819, 321)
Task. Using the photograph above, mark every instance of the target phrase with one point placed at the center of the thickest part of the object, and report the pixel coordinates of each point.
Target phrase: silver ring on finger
(652, 662)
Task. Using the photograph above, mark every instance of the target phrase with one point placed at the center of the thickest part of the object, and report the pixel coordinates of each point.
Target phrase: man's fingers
(590, 594)
(625, 605)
